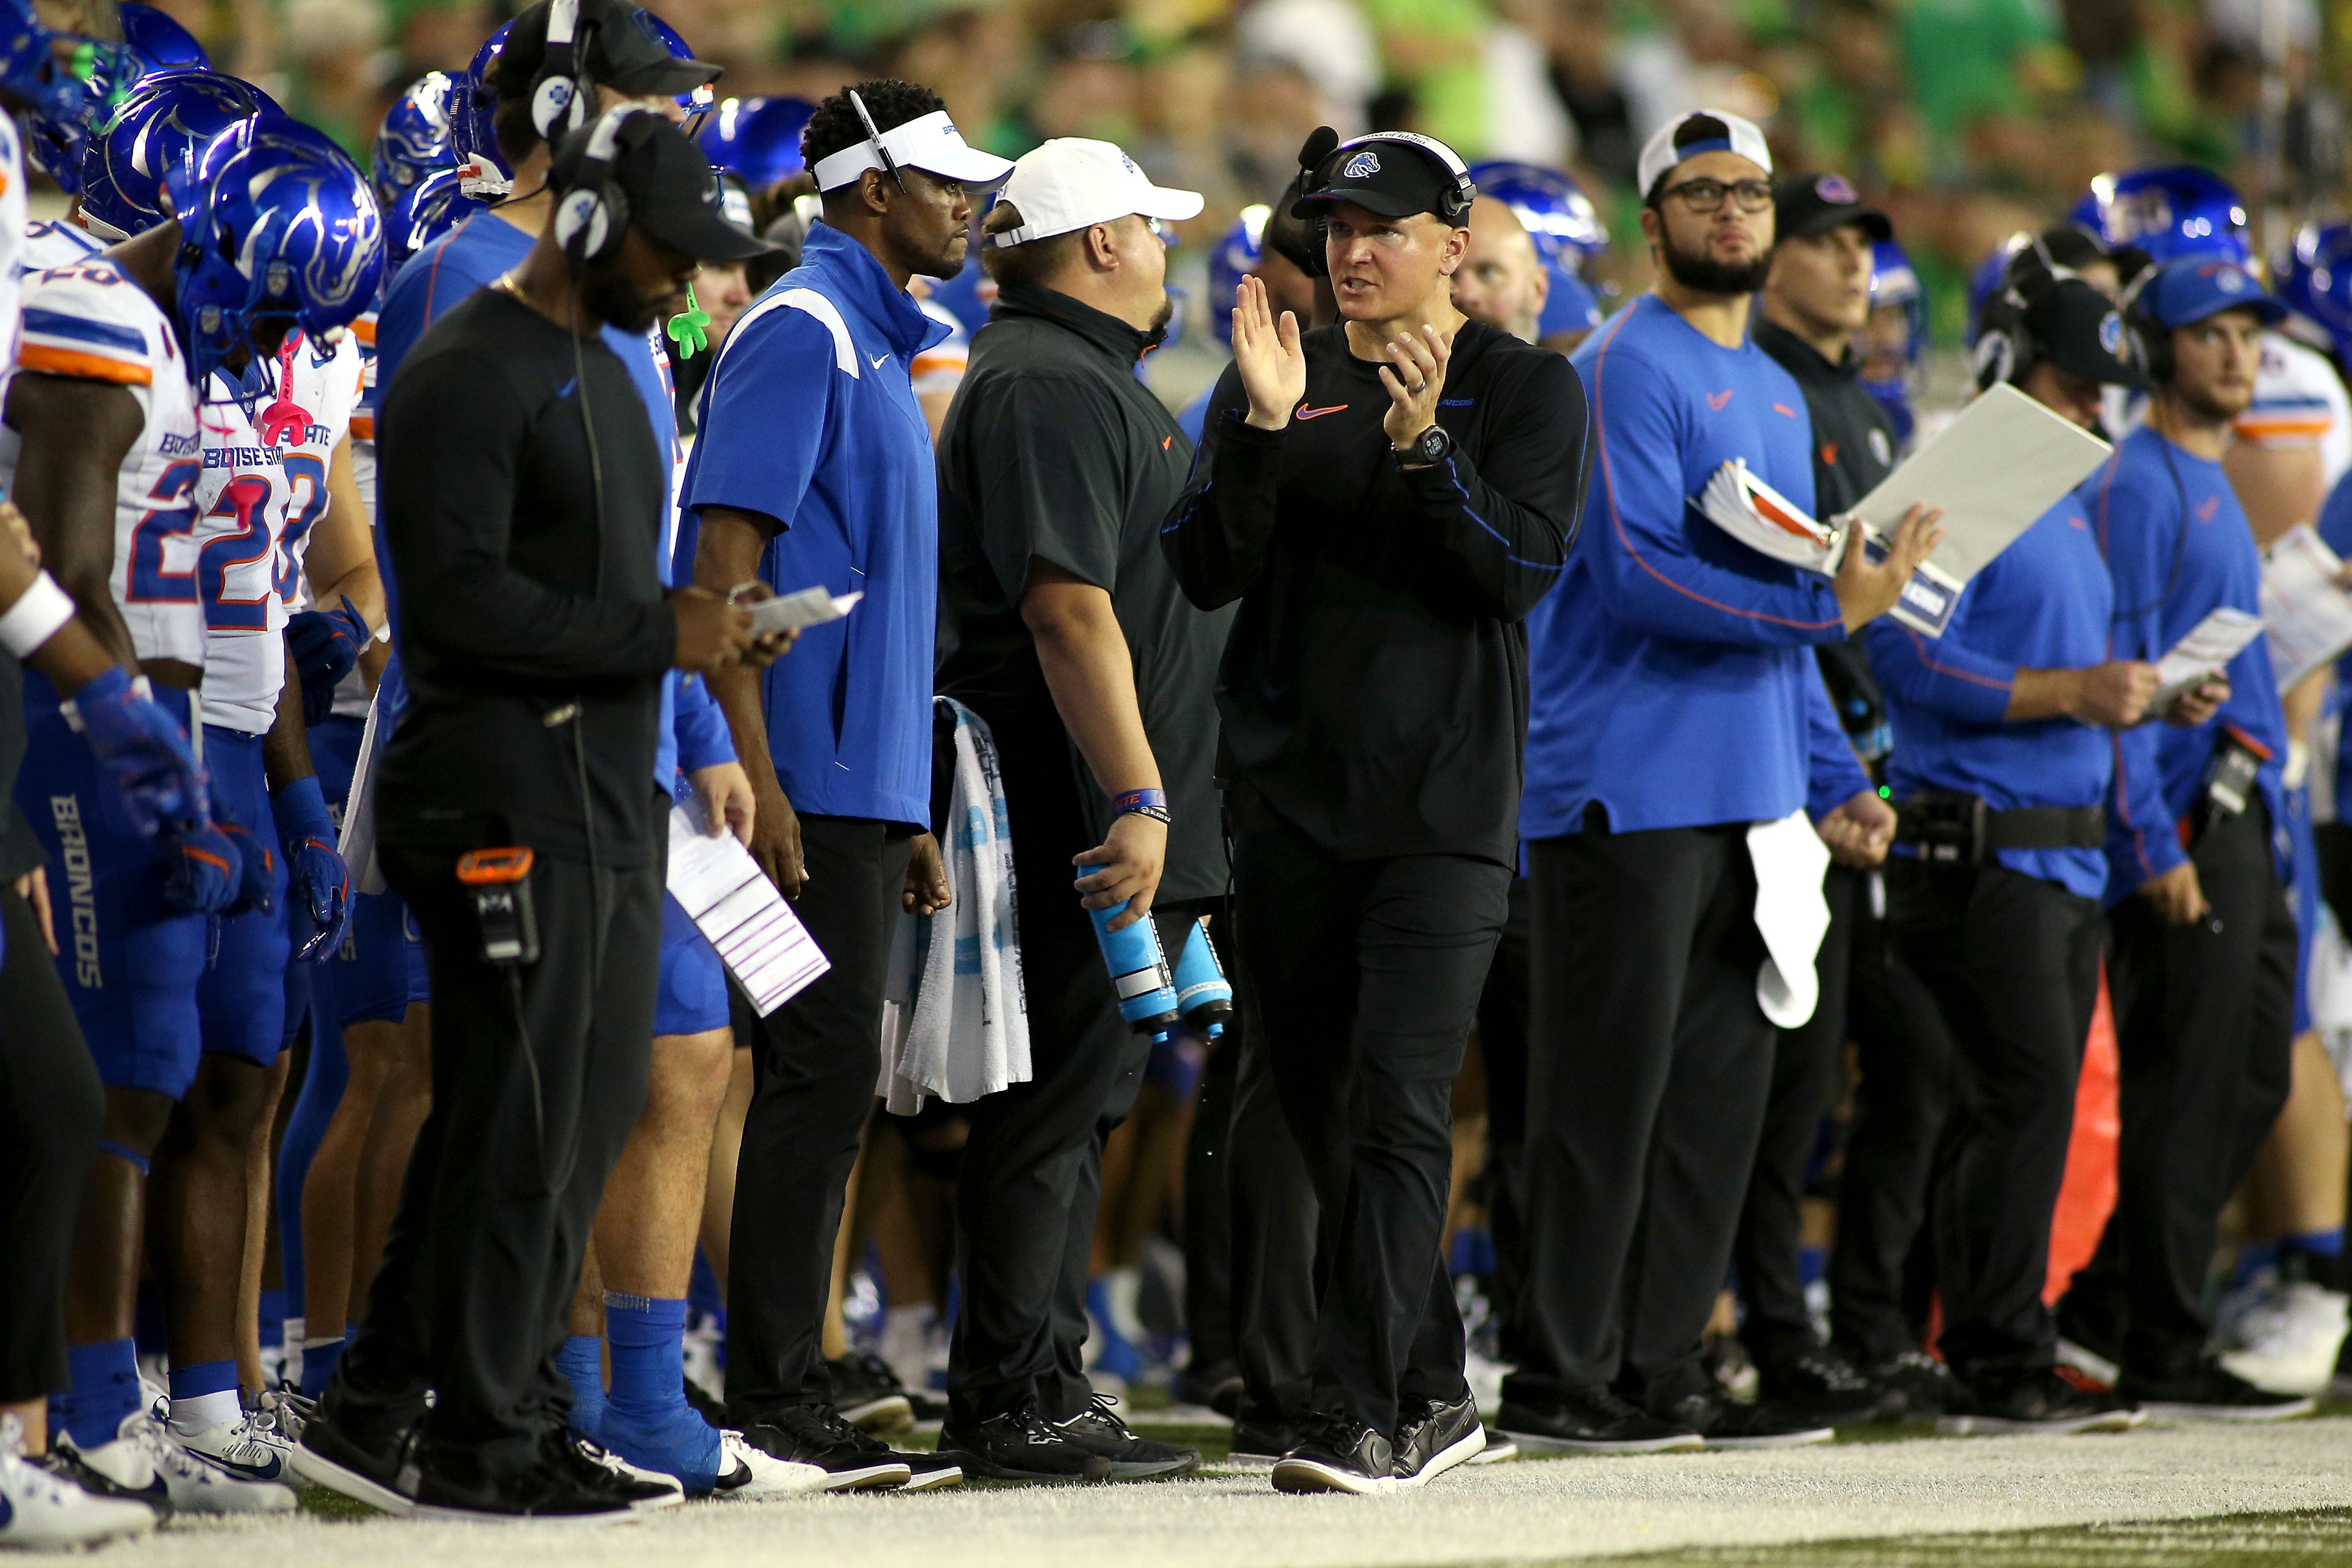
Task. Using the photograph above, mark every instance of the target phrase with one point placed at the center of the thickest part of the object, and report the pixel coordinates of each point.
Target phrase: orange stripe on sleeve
(87, 366)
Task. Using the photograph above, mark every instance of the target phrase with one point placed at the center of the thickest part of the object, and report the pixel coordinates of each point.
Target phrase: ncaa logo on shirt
(2111, 334)
(1363, 163)
(1881, 449)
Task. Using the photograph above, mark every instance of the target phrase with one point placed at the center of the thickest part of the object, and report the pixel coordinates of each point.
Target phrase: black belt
(1963, 827)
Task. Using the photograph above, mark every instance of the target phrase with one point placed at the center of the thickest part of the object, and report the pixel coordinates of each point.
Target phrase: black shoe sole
(978, 1467)
(885, 1413)
(1152, 1469)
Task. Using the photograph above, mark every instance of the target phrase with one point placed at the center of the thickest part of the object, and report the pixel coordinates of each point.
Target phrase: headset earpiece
(558, 98)
(1323, 153)
(593, 213)
(2151, 341)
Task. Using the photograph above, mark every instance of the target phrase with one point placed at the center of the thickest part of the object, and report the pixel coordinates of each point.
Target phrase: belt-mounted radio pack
(500, 883)
(2229, 784)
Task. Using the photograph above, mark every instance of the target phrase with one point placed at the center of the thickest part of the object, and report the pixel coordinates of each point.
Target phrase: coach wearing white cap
(1063, 629)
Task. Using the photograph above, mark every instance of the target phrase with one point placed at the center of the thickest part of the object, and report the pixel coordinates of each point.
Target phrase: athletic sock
(203, 1397)
(2317, 1255)
(647, 1418)
(582, 1361)
(319, 1357)
(2254, 1257)
(273, 1319)
(105, 1390)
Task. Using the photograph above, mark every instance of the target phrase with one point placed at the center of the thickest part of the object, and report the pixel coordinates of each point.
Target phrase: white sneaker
(750, 1472)
(702, 1343)
(915, 1343)
(2244, 1313)
(143, 1453)
(1486, 1379)
(252, 1447)
(2291, 1347)
(42, 1512)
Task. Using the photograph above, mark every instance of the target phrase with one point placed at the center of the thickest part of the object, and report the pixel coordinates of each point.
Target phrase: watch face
(1434, 443)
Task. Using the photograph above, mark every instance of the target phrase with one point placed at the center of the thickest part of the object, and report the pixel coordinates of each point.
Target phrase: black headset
(593, 213)
(2005, 349)
(558, 94)
(1324, 155)
(2151, 339)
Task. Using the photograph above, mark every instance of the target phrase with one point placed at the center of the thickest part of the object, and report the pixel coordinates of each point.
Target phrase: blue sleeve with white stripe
(765, 415)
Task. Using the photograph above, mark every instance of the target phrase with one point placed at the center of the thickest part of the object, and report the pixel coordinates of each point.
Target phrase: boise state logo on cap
(2229, 281)
(1833, 188)
(1364, 164)
(2111, 333)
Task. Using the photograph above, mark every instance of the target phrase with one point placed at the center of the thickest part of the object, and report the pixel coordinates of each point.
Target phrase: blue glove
(319, 883)
(257, 866)
(326, 643)
(205, 869)
(142, 754)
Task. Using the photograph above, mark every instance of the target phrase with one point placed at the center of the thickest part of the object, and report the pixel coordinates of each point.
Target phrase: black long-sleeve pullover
(1374, 693)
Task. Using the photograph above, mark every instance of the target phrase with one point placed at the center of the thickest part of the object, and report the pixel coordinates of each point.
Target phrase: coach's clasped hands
(715, 633)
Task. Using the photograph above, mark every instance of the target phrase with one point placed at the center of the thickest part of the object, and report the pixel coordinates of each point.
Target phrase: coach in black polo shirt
(1812, 306)
(1061, 626)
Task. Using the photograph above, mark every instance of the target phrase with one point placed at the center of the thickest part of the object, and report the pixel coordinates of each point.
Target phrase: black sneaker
(707, 1404)
(1220, 1388)
(377, 1468)
(62, 1462)
(1726, 1423)
(868, 1394)
(2209, 1392)
(1437, 1437)
(1823, 1386)
(1132, 1458)
(1257, 1441)
(599, 1469)
(1918, 1385)
(1023, 1445)
(553, 1492)
(1337, 1454)
(2037, 1401)
(815, 1434)
(2089, 1341)
(1591, 1420)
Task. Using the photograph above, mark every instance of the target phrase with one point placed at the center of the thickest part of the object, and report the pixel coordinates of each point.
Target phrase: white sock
(204, 1411)
(1122, 1290)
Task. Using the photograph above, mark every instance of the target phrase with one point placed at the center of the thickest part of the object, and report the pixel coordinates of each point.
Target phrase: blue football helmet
(2167, 214)
(757, 138)
(2314, 279)
(158, 42)
(30, 67)
(106, 72)
(282, 228)
(1232, 258)
(698, 105)
(415, 138)
(1895, 285)
(159, 126)
(429, 209)
(1566, 230)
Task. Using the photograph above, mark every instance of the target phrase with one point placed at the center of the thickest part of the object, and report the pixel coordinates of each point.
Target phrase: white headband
(929, 143)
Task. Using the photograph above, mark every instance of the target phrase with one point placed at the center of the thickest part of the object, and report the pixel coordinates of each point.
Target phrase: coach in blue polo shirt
(815, 467)
(1675, 703)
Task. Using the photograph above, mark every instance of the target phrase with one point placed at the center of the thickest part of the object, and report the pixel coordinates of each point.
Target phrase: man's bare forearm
(286, 748)
(1091, 673)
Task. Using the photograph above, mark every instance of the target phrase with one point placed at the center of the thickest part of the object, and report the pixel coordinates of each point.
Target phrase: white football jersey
(2299, 402)
(92, 321)
(941, 367)
(56, 243)
(266, 445)
(11, 237)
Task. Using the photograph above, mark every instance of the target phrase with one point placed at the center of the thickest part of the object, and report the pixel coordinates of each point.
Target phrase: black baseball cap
(674, 194)
(2076, 328)
(623, 53)
(1392, 177)
(1809, 204)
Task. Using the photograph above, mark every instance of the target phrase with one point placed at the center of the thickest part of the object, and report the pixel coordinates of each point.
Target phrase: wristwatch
(1428, 449)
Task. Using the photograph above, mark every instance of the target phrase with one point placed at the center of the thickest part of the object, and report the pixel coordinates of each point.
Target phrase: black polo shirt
(1055, 451)
(1854, 448)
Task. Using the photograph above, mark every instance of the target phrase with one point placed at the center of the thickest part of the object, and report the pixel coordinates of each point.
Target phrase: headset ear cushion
(1995, 356)
(580, 223)
(554, 106)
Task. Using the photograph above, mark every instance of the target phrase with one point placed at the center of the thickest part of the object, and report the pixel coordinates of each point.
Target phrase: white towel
(1791, 914)
(955, 1022)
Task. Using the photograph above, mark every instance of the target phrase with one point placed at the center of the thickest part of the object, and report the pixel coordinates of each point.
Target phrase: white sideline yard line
(1520, 1513)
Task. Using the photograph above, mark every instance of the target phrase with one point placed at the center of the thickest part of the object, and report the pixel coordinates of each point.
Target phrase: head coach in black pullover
(1387, 498)
(522, 506)
(1061, 626)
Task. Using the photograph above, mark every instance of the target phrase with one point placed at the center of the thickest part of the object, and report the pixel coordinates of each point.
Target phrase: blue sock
(582, 1361)
(319, 1357)
(147, 1319)
(105, 1390)
(2317, 1243)
(647, 1421)
(273, 1317)
(203, 1396)
(2254, 1257)
(703, 1293)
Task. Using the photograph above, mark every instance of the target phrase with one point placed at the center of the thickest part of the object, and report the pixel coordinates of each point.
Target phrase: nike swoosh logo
(1719, 401)
(1306, 413)
(268, 1472)
(564, 390)
(878, 359)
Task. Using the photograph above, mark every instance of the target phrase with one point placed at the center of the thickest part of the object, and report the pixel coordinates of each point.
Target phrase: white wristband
(35, 617)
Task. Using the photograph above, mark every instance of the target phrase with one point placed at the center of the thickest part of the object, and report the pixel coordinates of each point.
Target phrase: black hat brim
(703, 234)
(1828, 220)
(1388, 204)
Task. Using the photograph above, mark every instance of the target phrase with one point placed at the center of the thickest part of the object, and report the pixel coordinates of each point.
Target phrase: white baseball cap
(1073, 182)
(929, 143)
(1701, 131)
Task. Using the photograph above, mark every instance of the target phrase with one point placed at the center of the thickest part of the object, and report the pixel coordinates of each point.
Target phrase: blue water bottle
(1203, 995)
(1138, 970)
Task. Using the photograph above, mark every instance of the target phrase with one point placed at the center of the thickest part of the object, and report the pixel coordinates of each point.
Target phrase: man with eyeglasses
(1677, 709)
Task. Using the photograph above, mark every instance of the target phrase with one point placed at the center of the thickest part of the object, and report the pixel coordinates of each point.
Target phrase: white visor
(1073, 182)
(930, 144)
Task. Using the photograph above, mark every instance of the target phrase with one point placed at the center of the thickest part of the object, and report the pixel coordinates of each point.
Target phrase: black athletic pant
(1648, 1068)
(1274, 1219)
(1880, 1274)
(1208, 1225)
(814, 1063)
(485, 1251)
(1363, 978)
(1503, 1043)
(2204, 1033)
(1032, 1173)
(2013, 964)
(51, 1112)
(1808, 1063)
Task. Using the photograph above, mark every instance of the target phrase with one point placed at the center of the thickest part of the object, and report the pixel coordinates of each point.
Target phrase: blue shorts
(380, 969)
(693, 996)
(242, 997)
(128, 960)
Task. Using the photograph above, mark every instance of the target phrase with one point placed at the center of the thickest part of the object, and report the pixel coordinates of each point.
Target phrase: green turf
(2233, 1541)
